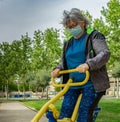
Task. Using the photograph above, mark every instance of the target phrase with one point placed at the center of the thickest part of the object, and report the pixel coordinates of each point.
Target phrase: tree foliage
(109, 25)
(46, 49)
(26, 56)
(116, 70)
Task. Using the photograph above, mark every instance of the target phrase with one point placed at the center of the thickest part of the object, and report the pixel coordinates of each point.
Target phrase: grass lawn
(110, 108)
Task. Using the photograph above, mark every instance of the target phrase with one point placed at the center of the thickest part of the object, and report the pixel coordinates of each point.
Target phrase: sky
(18, 17)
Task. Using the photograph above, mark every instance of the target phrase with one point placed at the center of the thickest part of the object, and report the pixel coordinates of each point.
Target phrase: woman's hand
(55, 73)
(82, 67)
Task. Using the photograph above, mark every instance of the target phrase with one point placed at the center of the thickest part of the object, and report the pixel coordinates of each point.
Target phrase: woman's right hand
(55, 73)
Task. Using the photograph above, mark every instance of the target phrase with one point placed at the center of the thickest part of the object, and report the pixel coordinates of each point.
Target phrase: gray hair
(75, 15)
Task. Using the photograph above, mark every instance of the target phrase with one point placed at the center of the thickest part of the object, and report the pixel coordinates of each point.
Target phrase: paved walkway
(17, 112)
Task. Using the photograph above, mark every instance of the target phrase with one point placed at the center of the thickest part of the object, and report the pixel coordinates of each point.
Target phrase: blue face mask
(76, 31)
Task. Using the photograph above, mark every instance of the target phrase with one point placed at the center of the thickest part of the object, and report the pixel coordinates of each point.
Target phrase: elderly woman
(77, 54)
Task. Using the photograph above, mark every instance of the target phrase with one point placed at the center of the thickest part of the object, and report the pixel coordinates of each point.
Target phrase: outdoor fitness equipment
(50, 109)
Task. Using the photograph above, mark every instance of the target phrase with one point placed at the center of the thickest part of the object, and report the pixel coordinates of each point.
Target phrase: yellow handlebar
(71, 84)
(67, 71)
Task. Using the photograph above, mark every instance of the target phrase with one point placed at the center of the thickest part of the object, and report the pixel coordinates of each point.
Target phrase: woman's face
(72, 25)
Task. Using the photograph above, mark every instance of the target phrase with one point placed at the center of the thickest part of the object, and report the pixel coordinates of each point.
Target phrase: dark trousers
(88, 102)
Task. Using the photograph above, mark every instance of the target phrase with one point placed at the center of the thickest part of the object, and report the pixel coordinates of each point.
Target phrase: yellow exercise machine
(49, 105)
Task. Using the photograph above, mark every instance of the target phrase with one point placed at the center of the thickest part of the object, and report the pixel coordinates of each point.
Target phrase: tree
(5, 65)
(110, 26)
(38, 80)
(52, 48)
(43, 79)
(116, 70)
(25, 56)
(15, 59)
(38, 49)
(46, 49)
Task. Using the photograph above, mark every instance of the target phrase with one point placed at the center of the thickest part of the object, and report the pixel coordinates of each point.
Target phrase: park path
(17, 112)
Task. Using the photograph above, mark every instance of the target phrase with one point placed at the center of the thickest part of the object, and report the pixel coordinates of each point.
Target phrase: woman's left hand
(82, 67)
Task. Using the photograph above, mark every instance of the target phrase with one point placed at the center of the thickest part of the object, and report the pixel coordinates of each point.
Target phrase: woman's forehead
(70, 21)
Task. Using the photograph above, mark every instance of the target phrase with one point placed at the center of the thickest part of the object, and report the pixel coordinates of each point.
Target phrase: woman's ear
(83, 24)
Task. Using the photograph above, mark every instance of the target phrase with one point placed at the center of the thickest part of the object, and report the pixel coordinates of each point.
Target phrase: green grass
(110, 108)
(37, 104)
